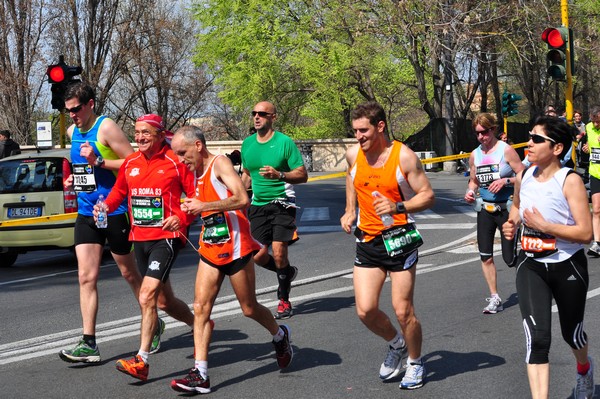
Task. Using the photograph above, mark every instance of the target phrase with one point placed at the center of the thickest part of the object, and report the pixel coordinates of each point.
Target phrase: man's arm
(225, 172)
(349, 217)
(424, 197)
(111, 135)
(295, 176)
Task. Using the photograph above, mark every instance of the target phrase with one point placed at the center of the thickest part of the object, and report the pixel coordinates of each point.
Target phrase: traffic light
(509, 103)
(558, 39)
(512, 106)
(61, 76)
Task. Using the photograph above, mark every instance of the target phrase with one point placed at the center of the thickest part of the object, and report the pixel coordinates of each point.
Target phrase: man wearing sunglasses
(98, 149)
(272, 164)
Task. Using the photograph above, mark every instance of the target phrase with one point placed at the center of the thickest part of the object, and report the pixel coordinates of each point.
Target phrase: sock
(279, 336)
(495, 295)
(414, 361)
(270, 265)
(582, 369)
(202, 366)
(143, 355)
(397, 342)
(283, 292)
(90, 340)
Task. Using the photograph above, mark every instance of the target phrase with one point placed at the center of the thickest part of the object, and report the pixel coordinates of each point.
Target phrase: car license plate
(29, 212)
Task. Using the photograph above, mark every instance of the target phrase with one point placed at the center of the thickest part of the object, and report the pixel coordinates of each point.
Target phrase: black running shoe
(283, 349)
(193, 382)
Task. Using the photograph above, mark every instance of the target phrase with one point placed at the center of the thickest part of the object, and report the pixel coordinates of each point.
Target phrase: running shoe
(156, 339)
(392, 365)
(594, 250)
(284, 310)
(413, 378)
(81, 353)
(193, 382)
(584, 389)
(135, 367)
(494, 306)
(283, 349)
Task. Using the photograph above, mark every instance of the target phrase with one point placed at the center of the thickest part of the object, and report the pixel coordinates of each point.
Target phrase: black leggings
(537, 284)
(487, 224)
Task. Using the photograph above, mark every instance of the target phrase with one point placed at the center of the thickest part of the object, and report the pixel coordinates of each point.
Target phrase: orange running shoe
(135, 367)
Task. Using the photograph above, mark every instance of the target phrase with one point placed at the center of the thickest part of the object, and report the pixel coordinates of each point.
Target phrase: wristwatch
(507, 182)
(281, 175)
(99, 162)
(400, 207)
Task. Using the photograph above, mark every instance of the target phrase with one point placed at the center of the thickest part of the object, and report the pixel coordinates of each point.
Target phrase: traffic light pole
(564, 7)
(62, 129)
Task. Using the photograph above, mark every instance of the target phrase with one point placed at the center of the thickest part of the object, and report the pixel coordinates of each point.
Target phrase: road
(467, 354)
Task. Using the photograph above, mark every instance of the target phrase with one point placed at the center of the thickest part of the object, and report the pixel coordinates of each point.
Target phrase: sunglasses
(262, 114)
(484, 132)
(539, 139)
(74, 110)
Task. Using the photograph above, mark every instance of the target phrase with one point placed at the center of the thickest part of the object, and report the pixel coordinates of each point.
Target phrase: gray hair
(191, 133)
(595, 111)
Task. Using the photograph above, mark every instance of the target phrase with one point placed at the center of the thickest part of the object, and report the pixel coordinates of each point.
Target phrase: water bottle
(102, 219)
(386, 218)
(478, 204)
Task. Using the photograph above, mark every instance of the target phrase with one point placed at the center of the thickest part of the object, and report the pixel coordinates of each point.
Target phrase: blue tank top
(489, 167)
(105, 179)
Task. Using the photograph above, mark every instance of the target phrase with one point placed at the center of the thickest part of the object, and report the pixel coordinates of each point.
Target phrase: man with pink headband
(153, 181)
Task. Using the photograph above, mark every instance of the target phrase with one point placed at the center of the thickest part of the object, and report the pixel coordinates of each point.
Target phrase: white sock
(202, 366)
(397, 342)
(413, 361)
(279, 336)
(144, 355)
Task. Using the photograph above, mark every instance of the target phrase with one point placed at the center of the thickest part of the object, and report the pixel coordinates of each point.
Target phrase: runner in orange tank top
(226, 249)
(387, 181)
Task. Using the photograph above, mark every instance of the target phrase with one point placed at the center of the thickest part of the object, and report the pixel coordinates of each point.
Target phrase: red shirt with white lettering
(153, 187)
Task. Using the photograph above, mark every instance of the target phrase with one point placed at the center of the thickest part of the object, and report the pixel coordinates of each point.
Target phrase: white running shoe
(584, 389)
(414, 376)
(392, 365)
(494, 306)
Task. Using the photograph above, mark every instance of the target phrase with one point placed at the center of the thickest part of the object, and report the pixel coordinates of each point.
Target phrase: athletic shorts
(372, 254)
(594, 185)
(117, 233)
(155, 258)
(231, 268)
(272, 222)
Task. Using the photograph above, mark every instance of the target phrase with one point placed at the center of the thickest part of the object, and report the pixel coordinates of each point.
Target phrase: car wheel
(8, 258)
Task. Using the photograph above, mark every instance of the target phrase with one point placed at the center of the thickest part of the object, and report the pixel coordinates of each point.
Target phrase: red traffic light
(556, 37)
(56, 74)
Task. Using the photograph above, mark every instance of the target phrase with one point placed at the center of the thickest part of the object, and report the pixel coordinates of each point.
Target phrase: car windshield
(30, 175)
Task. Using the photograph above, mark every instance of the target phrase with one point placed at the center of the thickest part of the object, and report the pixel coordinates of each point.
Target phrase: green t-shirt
(281, 153)
(593, 139)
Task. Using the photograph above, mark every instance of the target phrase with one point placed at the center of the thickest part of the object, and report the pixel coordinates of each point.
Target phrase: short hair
(82, 91)
(371, 110)
(549, 107)
(486, 120)
(595, 111)
(5, 133)
(191, 133)
(577, 111)
(558, 130)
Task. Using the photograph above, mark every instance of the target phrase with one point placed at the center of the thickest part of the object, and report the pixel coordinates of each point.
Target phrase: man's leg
(88, 260)
(367, 288)
(243, 283)
(285, 275)
(403, 285)
(595, 249)
(129, 270)
(173, 306)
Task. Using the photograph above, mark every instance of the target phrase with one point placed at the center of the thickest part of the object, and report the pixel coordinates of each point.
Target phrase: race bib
(216, 230)
(595, 155)
(537, 244)
(147, 211)
(401, 239)
(83, 178)
(486, 174)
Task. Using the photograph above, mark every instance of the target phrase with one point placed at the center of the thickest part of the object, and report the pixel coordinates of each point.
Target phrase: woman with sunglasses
(493, 166)
(550, 202)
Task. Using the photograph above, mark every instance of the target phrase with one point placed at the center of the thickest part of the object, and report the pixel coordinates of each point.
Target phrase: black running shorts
(272, 222)
(117, 233)
(373, 254)
(155, 258)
